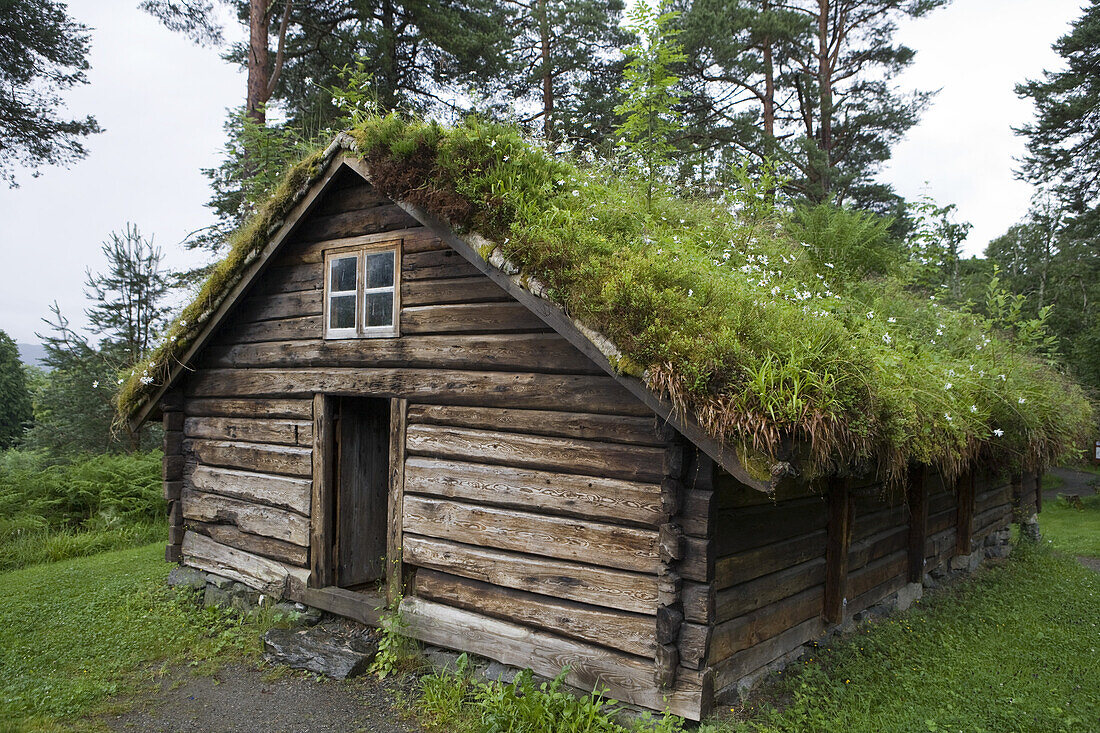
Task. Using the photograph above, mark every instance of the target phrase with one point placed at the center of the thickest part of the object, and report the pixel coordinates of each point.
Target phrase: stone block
(318, 650)
(908, 595)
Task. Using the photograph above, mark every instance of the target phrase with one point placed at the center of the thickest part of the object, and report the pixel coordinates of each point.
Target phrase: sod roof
(776, 344)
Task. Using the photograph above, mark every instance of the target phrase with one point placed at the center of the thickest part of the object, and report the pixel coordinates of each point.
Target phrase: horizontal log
(617, 460)
(732, 494)
(505, 317)
(752, 628)
(879, 571)
(365, 606)
(313, 252)
(541, 352)
(384, 218)
(478, 289)
(506, 389)
(256, 519)
(351, 198)
(744, 529)
(624, 677)
(553, 493)
(283, 329)
(285, 460)
(277, 409)
(279, 491)
(876, 546)
(274, 306)
(580, 425)
(940, 546)
(729, 671)
(289, 278)
(251, 430)
(560, 579)
(268, 576)
(875, 523)
(628, 632)
(755, 594)
(877, 594)
(228, 534)
(436, 265)
(605, 545)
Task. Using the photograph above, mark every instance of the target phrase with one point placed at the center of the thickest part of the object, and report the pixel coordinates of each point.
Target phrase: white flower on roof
(146, 380)
(948, 385)
(120, 381)
(576, 192)
(1021, 400)
(95, 384)
(183, 323)
(946, 415)
(891, 319)
(1002, 377)
(870, 315)
(973, 408)
(998, 432)
(829, 265)
(886, 338)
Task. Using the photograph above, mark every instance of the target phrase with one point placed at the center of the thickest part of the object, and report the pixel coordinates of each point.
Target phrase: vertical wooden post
(841, 516)
(395, 575)
(1038, 492)
(321, 504)
(171, 408)
(917, 499)
(964, 513)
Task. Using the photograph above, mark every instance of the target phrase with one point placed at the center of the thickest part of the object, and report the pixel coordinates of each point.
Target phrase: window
(361, 293)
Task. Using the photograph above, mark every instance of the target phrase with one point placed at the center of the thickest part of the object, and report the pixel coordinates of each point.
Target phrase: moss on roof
(720, 308)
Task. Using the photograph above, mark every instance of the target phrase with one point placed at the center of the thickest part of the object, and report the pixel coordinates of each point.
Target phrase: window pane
(379, 309)
(380, 270)
(341, 311)
(343, 274)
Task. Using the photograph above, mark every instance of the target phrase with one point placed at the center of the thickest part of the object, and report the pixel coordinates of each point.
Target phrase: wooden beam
(395, 573)
(322, 514)
(836, 550)
(271, 577)
(916, 497)
(964, 513)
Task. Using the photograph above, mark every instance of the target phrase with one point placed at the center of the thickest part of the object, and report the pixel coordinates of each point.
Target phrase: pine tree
(15, 397)
(1062, 149)
(649, 113)
(43, 53)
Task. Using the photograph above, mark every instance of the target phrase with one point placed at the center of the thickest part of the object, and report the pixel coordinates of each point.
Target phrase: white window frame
(361, 330)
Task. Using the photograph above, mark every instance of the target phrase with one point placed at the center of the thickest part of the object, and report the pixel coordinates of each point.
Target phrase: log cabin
(381, 410)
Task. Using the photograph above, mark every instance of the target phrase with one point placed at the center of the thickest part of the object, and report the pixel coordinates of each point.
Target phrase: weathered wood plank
(836, 551)
(283, 329)
(436, 265)
(606, 545)
(750, 629)
(279, 491)
(740, 530)
(766, 559)
(413, 239)
(588, 584)
(769, 589)
(580, 425)
(271, 577)
(364, 606)
(395, 501)
(553, 493)
(869, 549)
(351, 198)
(322, 516)
(879, 571)
(274, 306)
(228, 534)
(506, 389)
(271, 409)
(505, 316)
(256, 519)
(729, 671)
(625, 677)
(917, 499)
(964, 519)
(285, 460)
(384, 218)
(251, 430)
(628, 632)
(616, 460)
(479, 289)
(542, 352)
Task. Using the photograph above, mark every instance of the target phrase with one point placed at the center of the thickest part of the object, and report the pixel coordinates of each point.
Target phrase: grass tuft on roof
(748, 318)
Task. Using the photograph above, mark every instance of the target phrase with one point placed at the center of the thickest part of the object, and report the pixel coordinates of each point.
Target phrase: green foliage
(729, 316)
(649, 114)
(99, 491)
(75, 634)
(44, 55)
(396, 651)
(1011, 651)
(856, 243)
(452, 700)
(26, 540)
(15, 397)
(935, 246)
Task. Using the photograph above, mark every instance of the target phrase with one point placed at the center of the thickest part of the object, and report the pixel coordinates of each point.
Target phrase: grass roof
(728, 310)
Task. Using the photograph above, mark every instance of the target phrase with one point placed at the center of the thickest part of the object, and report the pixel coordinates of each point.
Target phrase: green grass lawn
(1016, 650)
(77, 633)
(1072, 529)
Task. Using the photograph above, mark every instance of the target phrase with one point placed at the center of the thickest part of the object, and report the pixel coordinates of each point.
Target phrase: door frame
(322, 526)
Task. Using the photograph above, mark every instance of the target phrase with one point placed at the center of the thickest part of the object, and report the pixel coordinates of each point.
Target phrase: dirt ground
(1079, 483)
(239, 699)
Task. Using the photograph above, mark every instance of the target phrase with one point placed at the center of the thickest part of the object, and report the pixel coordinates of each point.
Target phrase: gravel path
(238, 699)
(1079, 483)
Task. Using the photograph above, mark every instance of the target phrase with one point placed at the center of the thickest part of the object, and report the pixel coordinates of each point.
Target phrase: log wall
(536, 524)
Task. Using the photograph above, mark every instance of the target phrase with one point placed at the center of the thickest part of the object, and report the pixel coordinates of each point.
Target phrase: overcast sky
(162, 102)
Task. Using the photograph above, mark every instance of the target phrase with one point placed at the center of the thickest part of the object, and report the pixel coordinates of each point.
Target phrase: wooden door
(362, 443)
